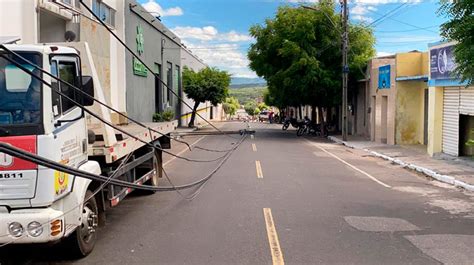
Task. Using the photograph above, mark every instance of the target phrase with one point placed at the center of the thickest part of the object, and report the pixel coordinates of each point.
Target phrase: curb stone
(426, 171)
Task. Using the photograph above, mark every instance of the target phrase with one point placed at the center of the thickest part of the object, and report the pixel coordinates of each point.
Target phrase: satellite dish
(69, 36)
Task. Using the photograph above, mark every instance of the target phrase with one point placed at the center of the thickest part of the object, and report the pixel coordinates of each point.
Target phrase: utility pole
(345, 66)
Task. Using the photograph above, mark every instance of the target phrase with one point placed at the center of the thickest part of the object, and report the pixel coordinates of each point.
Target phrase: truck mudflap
(32, 226)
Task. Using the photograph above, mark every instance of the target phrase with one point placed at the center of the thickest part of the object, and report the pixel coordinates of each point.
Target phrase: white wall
(18, 18)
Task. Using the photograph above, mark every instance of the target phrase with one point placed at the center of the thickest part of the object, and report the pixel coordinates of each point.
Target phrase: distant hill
(248, 85)
(245, 80)
(246, 94)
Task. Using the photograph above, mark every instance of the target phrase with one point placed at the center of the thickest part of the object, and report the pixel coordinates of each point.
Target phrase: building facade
(160, 49)
(451, 110)
(411, 113)
(398, 112)
(382, 99)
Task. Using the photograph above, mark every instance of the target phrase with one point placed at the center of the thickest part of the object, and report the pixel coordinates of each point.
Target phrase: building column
(435, 120)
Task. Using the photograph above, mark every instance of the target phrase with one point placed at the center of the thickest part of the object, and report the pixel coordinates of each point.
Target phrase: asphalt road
(283, 199)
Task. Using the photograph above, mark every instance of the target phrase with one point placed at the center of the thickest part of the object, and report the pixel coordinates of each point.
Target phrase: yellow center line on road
(254, 147)
(350, 165)
(259, 169)
(277, 255)
(184, 150)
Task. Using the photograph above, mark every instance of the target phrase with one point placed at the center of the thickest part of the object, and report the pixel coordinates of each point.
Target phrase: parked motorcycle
(309, 128)
(289, 121)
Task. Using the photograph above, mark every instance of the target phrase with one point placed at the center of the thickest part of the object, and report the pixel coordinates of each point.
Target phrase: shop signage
(442, 63)
(138, 67)
(384, 77)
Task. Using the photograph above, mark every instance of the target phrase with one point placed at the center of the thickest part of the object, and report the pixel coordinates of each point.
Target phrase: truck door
(70, 137)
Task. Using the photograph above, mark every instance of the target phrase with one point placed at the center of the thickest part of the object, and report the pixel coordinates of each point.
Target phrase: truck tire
(82, 241)
(151, 182)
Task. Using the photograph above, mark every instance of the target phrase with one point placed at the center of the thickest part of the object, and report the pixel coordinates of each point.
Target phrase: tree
(298, 53)
(231, 105)
(251, 107)
(460, 28)
(209, 84)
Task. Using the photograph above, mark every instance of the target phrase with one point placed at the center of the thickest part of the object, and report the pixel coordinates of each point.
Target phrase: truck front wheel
(83, 240)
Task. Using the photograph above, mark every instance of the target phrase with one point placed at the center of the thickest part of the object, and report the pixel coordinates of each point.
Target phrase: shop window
(104, 12)
(169, 82)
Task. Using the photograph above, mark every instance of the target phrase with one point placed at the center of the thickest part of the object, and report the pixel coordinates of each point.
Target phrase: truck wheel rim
(89, 223)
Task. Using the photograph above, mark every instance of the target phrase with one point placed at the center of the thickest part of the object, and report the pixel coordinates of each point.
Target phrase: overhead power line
(404, 23)
(407, 30)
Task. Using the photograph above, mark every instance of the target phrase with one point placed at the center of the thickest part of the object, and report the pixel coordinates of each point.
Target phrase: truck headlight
(15, 229)
(35, 229)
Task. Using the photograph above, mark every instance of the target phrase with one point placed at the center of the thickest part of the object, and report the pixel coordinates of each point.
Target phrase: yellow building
(451, 109)
(399, 96)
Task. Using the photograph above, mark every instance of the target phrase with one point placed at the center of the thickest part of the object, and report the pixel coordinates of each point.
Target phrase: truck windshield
(20, 96)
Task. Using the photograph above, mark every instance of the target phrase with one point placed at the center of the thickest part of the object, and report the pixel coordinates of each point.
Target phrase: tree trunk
(313, 114)
(193, 114)
(300, 111)
(323, 122)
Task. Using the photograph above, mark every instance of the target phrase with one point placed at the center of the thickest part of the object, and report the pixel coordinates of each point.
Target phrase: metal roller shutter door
(451, 121)
(467, 101)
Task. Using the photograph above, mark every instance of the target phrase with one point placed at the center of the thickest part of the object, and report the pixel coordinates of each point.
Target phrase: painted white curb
(428, 172)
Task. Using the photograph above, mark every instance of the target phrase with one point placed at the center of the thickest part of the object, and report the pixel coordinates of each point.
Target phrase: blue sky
(217, 30)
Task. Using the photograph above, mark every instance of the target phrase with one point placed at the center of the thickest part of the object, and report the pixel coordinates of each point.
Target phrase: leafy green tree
(231, 105)
(262, 106)
(298, 53)
(460, 28)
(250, 108)
(209, 84)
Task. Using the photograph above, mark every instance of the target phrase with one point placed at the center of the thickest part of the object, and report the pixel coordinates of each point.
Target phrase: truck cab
(38, 204)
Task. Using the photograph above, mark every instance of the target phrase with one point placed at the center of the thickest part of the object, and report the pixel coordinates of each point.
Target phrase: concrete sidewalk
(452, 170)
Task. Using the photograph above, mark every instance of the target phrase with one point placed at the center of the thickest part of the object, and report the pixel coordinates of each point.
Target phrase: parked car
(263, 116)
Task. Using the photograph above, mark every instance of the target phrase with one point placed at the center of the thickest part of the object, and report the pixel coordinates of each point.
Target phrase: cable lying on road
(19, 153)
(24, 155)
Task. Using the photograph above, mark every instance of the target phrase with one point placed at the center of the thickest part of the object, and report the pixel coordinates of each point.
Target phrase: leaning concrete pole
(345, 67)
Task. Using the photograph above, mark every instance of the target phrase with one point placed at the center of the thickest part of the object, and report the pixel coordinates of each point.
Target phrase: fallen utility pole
(241, 132)
(345, 66)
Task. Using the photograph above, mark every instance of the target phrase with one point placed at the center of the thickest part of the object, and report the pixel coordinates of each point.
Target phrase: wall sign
(384, 77)
(138, 67)
(442, 63)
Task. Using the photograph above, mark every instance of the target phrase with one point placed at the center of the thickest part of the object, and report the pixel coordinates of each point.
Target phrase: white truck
(38, 204)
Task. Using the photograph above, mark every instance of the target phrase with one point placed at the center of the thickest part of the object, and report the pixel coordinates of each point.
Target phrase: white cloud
(381, 54)
(204, 33)
(233, 36)
(226, 51)
(155, 9)
(209, 33)
(229, 57)
(362, 18)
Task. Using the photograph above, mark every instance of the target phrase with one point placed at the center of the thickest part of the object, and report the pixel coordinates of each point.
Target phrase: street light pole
(345, 67)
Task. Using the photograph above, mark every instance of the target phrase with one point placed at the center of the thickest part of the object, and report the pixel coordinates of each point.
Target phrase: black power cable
(24, 155)
(100, 118)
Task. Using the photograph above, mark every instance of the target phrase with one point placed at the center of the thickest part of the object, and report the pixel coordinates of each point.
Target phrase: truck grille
(17, 184)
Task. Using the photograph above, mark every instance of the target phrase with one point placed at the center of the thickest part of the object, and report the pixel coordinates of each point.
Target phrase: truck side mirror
(88, 89)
